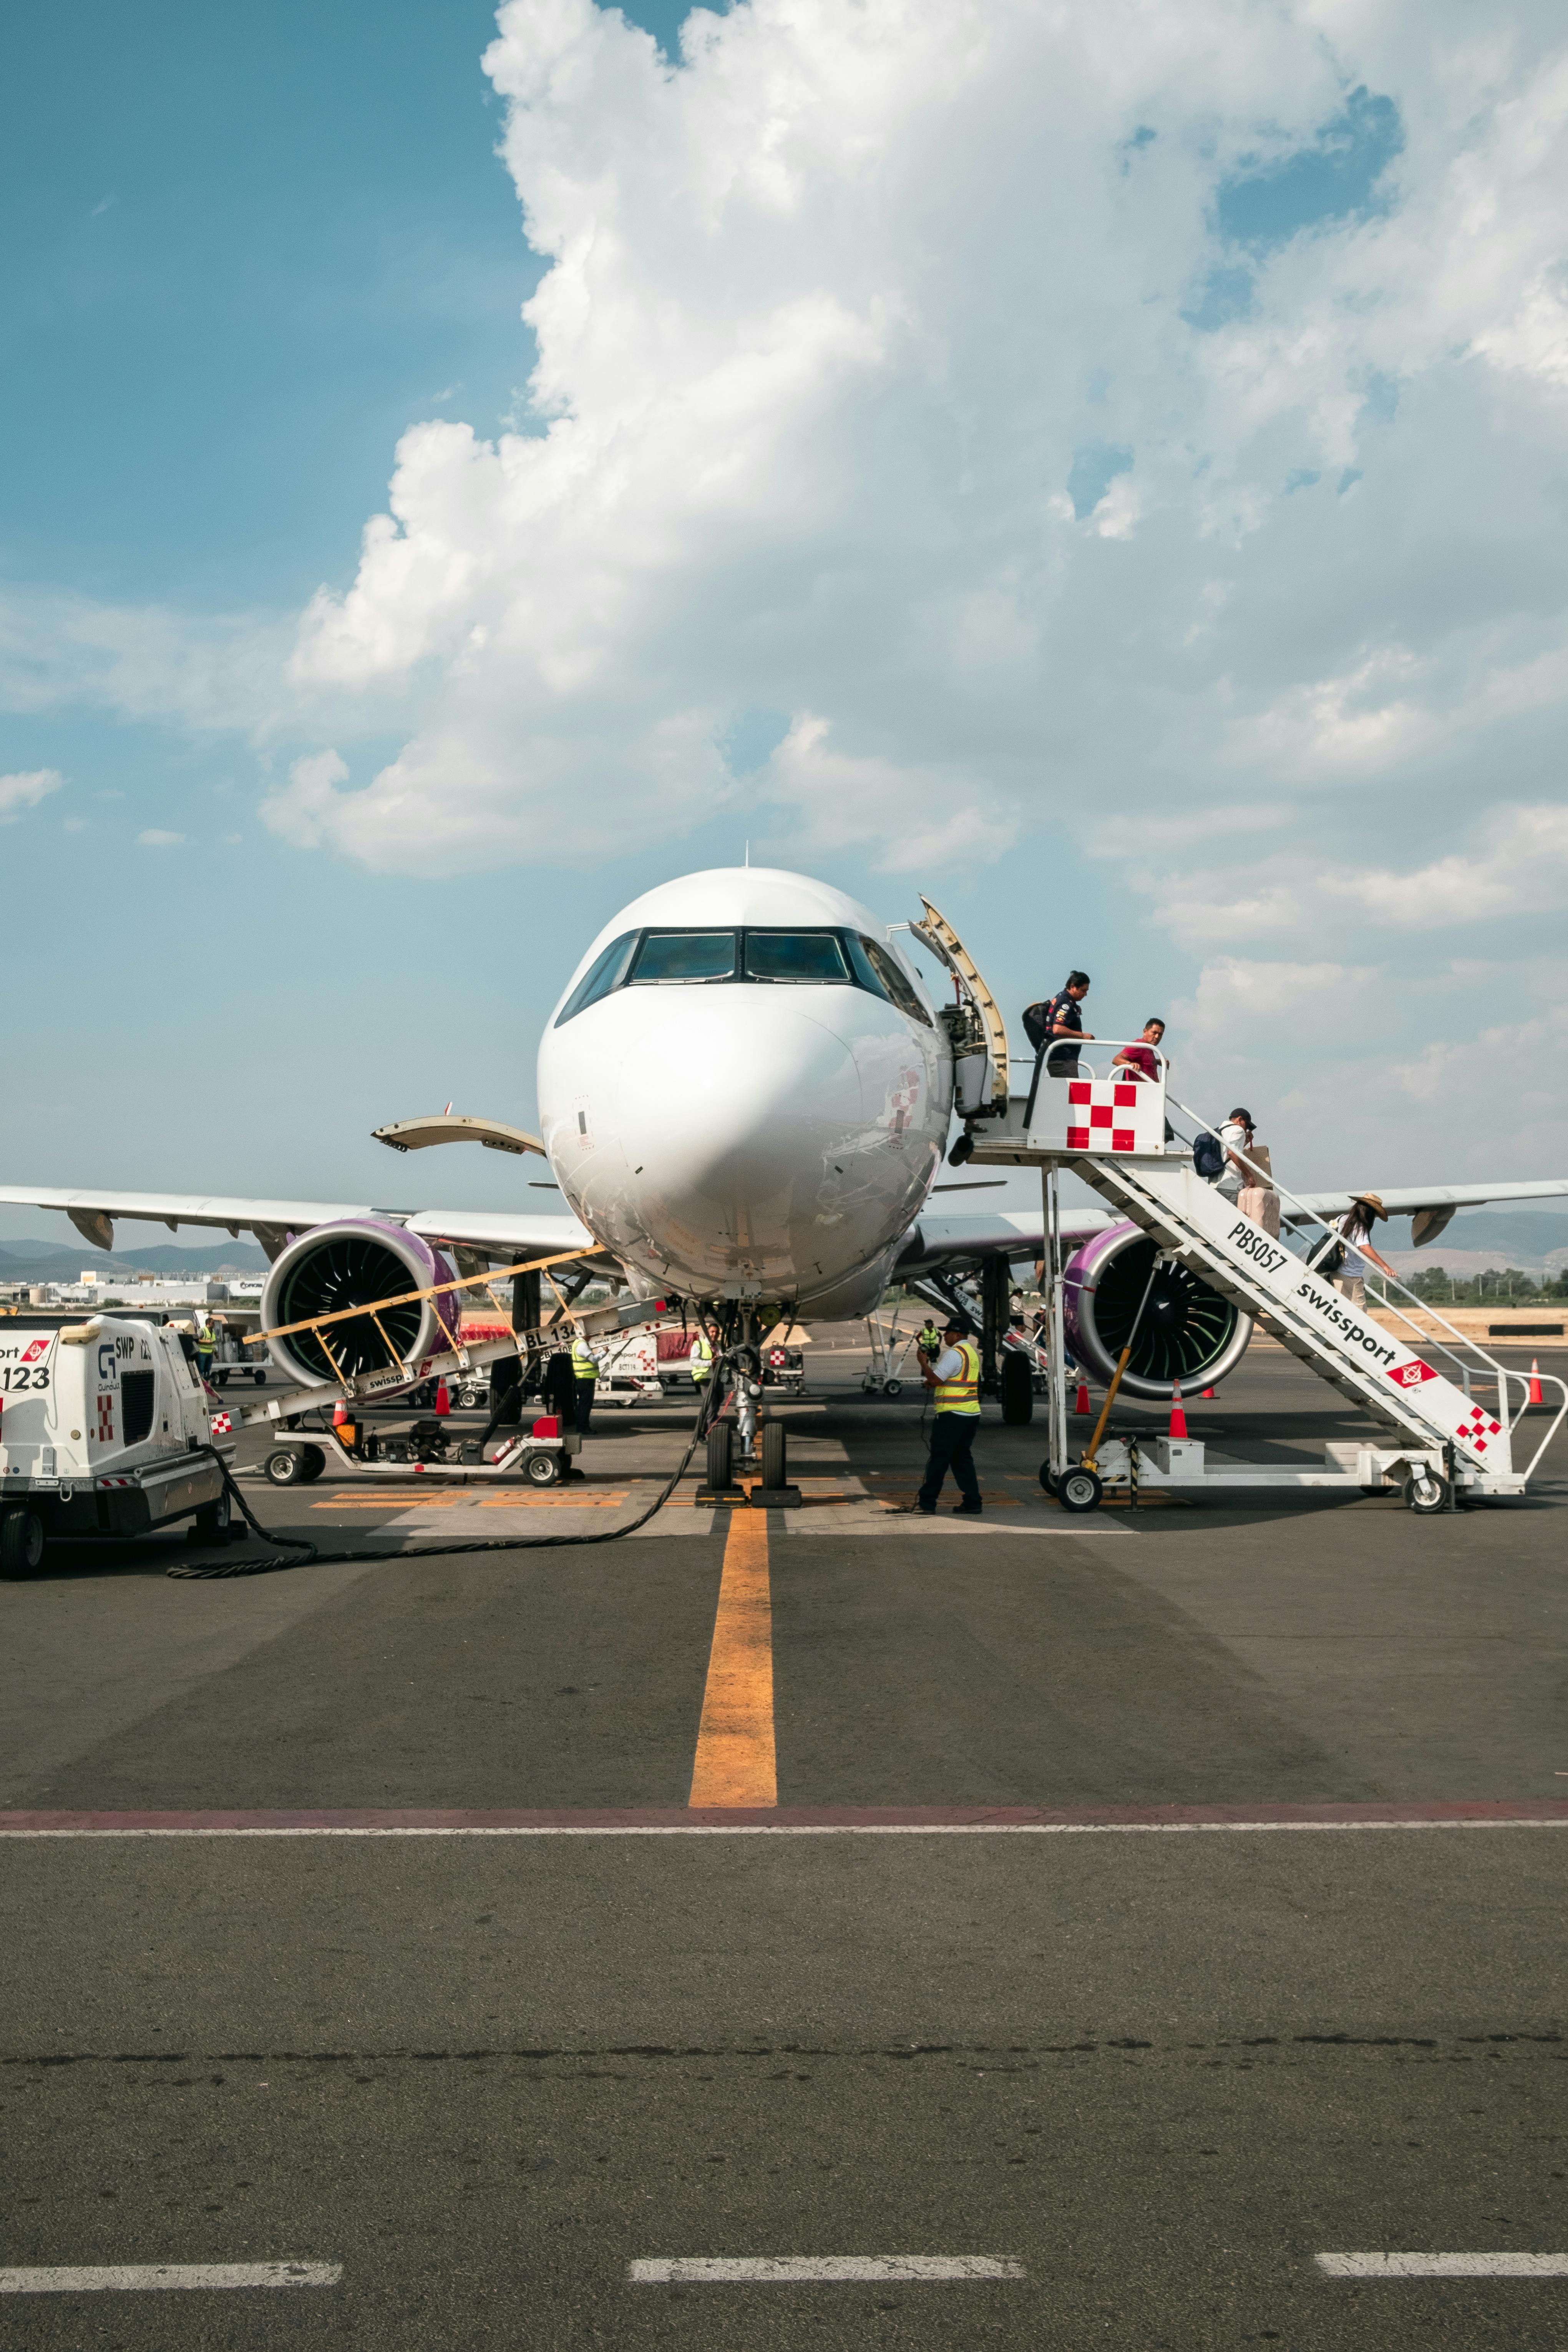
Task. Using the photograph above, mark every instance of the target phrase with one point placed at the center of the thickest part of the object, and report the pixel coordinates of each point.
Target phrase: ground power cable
(310, 1556)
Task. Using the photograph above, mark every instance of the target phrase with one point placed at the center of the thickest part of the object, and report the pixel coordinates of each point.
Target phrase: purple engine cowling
(1186, 1333)
(359, 1262)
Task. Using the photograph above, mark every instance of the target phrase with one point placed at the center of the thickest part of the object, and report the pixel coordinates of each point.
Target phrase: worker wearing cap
(1354, 1229)
(927, 1338)
(954, 1382)
(585, 1372)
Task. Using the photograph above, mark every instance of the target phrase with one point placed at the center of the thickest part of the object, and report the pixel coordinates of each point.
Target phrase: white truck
(105, 1429)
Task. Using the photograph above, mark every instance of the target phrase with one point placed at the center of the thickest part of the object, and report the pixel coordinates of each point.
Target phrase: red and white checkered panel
(1476, 1429)
(221, 1425)
(1114, 1115)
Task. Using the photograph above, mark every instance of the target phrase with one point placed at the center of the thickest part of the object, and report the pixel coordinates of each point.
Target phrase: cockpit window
(879, 969)
(796, 955)
(684, 955)
(768, 956)
(606, 973)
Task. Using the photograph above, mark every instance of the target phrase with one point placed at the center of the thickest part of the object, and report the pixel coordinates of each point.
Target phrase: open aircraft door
(974, 1025)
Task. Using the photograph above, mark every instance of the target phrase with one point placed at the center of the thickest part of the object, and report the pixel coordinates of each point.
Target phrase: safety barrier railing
(1304, 1218)
(1076, 1049)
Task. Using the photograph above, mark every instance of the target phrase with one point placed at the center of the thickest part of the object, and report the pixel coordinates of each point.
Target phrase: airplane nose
(738, 1115)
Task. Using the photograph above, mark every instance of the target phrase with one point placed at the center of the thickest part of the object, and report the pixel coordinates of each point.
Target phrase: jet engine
(355, 1261)
(1188, 1332)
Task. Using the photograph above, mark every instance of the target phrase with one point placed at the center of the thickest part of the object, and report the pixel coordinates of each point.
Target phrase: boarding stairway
(1110, 1131)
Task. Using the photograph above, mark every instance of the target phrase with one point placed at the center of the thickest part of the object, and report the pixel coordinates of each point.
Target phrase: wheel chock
(773, 1499)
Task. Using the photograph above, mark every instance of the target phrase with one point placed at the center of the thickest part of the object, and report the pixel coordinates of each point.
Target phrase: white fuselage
(747, 1136)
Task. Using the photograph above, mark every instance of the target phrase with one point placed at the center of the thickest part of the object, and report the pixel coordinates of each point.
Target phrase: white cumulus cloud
(24, 789)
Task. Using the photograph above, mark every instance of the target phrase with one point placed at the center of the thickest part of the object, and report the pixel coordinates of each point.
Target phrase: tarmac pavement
(1060, 1934)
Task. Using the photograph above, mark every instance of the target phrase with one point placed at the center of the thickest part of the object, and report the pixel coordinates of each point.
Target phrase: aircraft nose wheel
(1080, 1490)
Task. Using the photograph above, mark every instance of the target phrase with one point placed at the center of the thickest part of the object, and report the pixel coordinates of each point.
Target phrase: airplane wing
(93, 1212)
(1430, 1206)
(1014, 1233)
(995, 1232)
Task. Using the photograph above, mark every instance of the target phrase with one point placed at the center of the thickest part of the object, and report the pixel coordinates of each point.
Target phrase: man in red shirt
(1140, 1059)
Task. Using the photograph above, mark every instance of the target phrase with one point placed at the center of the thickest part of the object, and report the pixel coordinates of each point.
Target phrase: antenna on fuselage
(748, 852)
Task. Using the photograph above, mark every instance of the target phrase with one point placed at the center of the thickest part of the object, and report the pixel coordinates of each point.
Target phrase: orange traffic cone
(1204, 1392)
(1535, 1396)
(443, 1402)
(1082, 1405)
(339, 1412)
(1178, 1418)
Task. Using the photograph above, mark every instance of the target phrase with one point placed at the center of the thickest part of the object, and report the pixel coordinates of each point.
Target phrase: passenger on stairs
(1055, 1029)
(1354, 1229)
(1235, 1135)
(1139, 1060)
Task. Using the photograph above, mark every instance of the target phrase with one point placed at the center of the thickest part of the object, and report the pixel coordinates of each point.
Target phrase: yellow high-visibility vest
(584, 1367)
(702, 1359)
(962, 1395)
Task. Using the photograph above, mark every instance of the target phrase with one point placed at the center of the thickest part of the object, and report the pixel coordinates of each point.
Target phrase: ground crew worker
(585, 1372)
(954, 1382)
(701, 1362)
(927, 1338)
(207, 1346)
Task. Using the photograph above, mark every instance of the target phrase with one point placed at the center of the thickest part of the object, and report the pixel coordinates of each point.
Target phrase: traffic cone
(1204, 1392)
(1178, 1418)
(1535, 1396)
(1082, 1405)
(443, 1402)
(340, 1413)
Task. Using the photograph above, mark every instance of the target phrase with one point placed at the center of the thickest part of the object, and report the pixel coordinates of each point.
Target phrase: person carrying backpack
(1055, 1029)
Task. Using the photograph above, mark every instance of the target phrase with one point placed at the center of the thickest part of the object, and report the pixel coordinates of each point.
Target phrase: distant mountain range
(1519, 1237)
(171, 1261)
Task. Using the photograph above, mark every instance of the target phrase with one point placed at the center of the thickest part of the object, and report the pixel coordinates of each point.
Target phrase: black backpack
(1208, 1156)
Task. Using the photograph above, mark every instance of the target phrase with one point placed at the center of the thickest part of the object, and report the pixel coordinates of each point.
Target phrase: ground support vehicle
(783, 1369)
(537, 1456)
(1451, 1427)
(105, 1429)
(885, 1375)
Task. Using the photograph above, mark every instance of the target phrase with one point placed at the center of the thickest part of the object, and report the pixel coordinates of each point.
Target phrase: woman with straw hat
(1354, 1229)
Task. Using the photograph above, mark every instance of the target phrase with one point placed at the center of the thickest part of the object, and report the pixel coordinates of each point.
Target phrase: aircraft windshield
(764, 957)
(796, 955)
(685, 955)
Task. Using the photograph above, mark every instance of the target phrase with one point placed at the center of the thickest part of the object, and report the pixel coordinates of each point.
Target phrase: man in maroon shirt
(1140, 1059)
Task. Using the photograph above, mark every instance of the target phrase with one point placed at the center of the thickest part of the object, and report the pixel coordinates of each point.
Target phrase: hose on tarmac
(310, 1556)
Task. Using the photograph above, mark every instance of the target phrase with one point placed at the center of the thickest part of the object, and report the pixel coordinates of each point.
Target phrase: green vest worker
(954, 1382)
(928, 1339)
(585, 1372)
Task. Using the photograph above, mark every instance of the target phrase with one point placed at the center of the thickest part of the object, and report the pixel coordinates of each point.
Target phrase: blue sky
(246, 251)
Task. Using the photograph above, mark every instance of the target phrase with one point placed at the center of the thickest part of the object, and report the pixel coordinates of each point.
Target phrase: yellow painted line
(735, 1763)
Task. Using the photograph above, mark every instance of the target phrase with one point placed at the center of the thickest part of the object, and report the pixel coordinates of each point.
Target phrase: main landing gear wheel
(543, 1470)
(1080, 1490)
(721, 1456)
(1018, 1382)
(775, 1471)
(21, 1546)
(1425, 1492)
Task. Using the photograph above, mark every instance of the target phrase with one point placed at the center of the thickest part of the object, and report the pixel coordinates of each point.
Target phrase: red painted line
(351, 1822)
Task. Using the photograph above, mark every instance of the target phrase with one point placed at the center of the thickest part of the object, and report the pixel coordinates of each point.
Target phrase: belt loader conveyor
(1111, 1133)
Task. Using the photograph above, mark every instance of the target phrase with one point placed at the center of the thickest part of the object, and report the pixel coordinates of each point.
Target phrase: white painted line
(1444, 2266)
(820, 1829)
(99, 2278)
(837, 2270)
